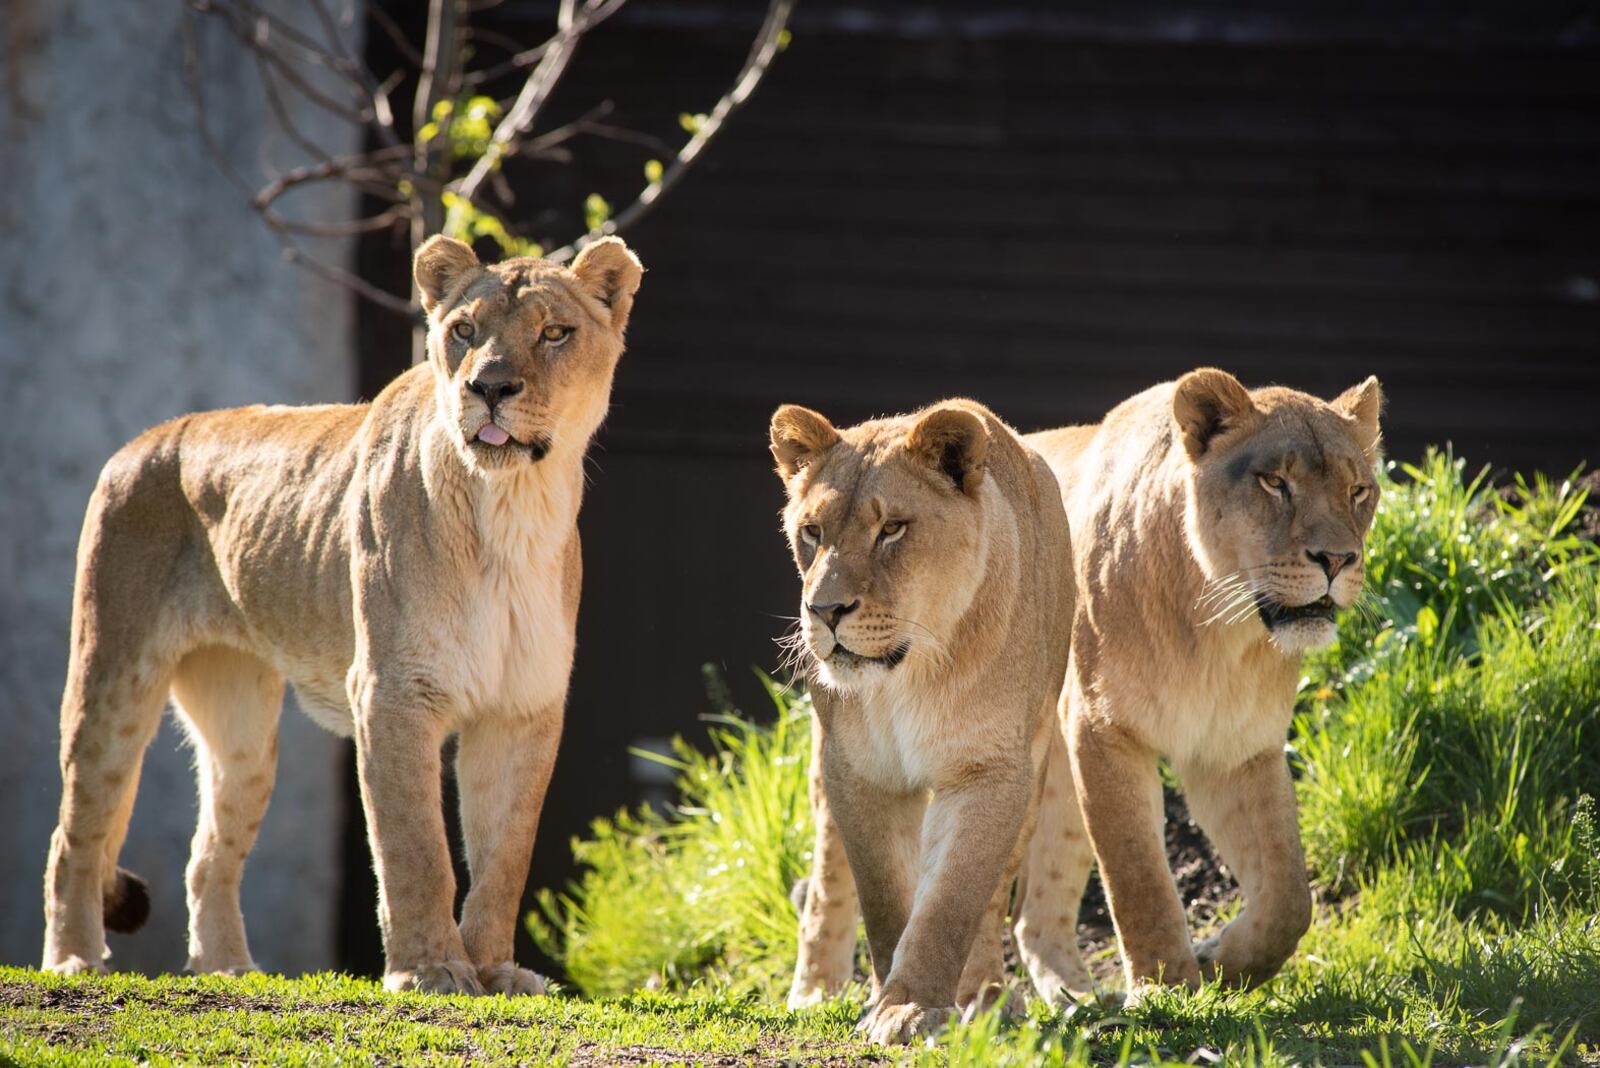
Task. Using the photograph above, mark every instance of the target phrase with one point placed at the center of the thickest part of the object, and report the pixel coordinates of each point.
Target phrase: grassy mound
(1447, 749)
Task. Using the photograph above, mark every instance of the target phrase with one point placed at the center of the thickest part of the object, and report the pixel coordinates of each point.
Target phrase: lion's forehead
(521, 296)
(865, 486)
(1309, 447)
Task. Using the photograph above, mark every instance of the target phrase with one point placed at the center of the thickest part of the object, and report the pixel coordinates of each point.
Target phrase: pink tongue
(493, 435)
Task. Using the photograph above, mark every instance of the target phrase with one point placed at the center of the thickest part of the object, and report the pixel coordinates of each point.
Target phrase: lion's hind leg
(1051, 889)
(231, 703)
(1249, 814)
(110, 710)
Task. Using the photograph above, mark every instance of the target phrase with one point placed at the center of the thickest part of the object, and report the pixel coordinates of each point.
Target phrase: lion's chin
(1303, 635)
(846, 671)
(514, 455)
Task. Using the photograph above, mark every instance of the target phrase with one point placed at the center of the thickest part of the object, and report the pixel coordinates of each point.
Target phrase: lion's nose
(1331, 563)
(832, 613)
(494, 389)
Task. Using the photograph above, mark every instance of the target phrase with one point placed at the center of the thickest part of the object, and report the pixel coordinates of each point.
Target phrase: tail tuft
(127, 903)
(797, 893)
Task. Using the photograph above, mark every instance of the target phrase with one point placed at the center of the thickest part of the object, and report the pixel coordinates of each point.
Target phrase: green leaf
(653, 171)
(595, 211)
(1427, 626)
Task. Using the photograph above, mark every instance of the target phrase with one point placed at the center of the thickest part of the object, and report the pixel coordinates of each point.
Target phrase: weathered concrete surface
(136, 284)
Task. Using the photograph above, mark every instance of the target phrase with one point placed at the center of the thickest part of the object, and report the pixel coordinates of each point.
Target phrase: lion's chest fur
(513, 630)
(904, 737)
(1229, 701)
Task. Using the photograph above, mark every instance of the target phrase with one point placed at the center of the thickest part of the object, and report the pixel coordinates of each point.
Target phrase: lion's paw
(1061, 990)
(512, 981)
(77, 966)
(445, 977)
(994, 994)
(214, 967)
(901, 1023)
(804, 997)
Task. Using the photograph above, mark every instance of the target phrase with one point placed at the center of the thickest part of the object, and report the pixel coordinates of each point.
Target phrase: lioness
(410, 565)
(935, 602)
(1218, 531)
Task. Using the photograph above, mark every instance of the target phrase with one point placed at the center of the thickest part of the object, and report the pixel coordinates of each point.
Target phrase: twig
(383, 115)
(383, 298)
(250, 19)
(755, 68)
(381, 221)
(191, 80)
(391, 29)
(353, 168)
(571, 26)
(269, 86)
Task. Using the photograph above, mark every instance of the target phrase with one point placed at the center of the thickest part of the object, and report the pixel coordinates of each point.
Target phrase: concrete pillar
(136, 284)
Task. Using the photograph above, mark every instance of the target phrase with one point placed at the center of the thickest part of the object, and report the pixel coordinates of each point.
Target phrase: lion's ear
(1208, 402)
(1361, 406)
(953, 441)
(799, 436)
(610, 272)
(440, 263)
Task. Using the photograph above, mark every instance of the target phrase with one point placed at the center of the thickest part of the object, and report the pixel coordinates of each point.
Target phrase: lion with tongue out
(410, 565)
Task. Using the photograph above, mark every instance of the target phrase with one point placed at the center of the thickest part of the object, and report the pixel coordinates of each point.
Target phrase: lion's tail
(126, 902)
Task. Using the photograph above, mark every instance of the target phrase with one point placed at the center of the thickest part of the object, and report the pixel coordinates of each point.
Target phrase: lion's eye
(810, 533)
(1274, 484)
(555, 335)
(893, 530)
(464, 329)
(1359, 493)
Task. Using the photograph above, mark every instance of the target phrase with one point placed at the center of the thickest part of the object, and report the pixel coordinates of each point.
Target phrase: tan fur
(1178, 529)
(937, 681)
(409, 580)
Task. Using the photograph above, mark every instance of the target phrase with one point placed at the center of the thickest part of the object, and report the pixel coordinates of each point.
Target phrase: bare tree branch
(318, 65)
(359, 167)
(762, 52)
(384, 220)
(571, 25)
(359, 71)
(191, 81)
(384, 299)
(269, 86)
(391, 30)
(437, 81)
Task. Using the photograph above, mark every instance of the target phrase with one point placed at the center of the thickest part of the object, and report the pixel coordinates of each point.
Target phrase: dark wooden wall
(1047, 223)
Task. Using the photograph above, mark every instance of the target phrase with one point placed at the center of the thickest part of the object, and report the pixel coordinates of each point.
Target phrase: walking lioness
(1217, 532)
(410, 565)
(936, 594)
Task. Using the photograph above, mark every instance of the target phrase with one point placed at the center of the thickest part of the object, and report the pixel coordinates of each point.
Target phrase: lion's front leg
(1120, 793)
(970, 844)
(399, 731)
(828, 914)
(503, 767)
(1249, 814)
(881, 834)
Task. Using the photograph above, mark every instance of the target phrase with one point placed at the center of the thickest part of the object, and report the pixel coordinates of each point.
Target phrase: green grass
(1447, 750)
(324, 1019)
(701, 895)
